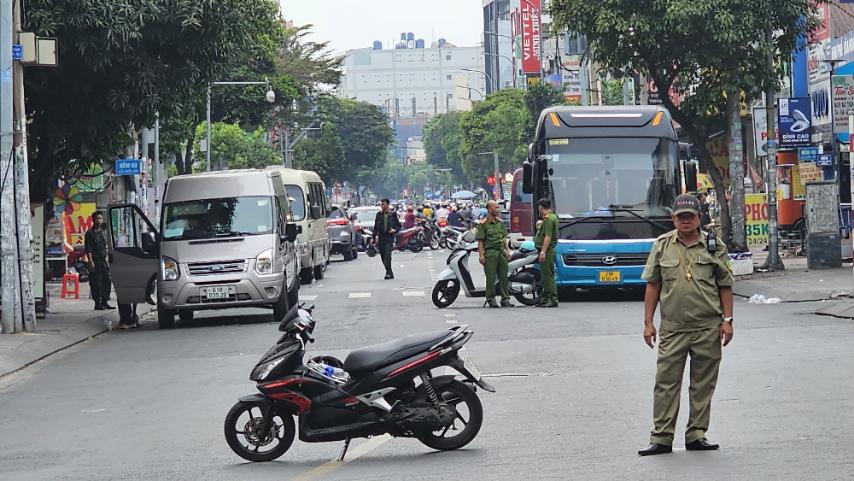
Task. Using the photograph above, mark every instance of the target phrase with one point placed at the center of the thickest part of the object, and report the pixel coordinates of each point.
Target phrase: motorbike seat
(519, 255)
(406, 231)
(371, 358)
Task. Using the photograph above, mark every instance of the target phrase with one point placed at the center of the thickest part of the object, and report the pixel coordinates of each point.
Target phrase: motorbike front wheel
(445, 292)
(531, 298)
(434, 242)
(416, 245)
(466, 424)
(244, 437)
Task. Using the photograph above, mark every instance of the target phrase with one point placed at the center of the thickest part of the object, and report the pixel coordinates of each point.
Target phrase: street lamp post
(515, 44)
(270, 96)
(470, 89)
(488, 77)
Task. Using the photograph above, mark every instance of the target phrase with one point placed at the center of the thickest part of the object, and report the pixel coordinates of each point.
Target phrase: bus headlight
(264, 262)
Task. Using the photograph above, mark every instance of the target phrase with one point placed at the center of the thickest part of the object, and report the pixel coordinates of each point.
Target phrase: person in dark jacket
(386, 226)
(95, 242)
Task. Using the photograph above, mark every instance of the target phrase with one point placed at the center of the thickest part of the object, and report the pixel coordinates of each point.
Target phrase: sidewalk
(835, 287)
(67, 323)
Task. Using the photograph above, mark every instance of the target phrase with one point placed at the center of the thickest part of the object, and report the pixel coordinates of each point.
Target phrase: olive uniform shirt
(547, 228)
(492, 234)
(688, 304)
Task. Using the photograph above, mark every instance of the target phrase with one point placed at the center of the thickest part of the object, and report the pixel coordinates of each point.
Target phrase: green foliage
(234, 148)
(442, 140)
(538, 98)
(120, 62)
(612, 92)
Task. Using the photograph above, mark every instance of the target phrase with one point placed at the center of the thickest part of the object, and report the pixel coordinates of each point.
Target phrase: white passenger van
(224, 242)
(310, 208)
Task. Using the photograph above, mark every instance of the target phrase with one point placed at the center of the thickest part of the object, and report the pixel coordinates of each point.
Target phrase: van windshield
(298, 202)
(211, 218)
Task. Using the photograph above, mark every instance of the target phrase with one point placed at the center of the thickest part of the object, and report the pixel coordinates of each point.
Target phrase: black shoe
(391, 276)
(507, 304)
(107, 306)
(99, 307)
(655, 448)
(387, 277)
(490, 304)
(701, 445)
(547, 304)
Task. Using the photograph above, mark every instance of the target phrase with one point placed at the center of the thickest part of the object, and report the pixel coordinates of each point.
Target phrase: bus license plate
(217, 292)
(471, 367)
(609, 276)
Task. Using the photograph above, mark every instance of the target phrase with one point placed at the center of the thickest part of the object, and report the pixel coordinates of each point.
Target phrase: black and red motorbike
(387, 388)
(406, 240)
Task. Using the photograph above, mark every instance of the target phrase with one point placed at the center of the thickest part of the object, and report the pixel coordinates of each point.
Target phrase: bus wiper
(232, 233)
(628, 209)
(577, 220)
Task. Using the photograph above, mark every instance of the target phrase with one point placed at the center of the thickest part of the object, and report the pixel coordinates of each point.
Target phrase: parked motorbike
(451, 236)
(435, 235)
(382, 389)
(407, 239)
(523, 271)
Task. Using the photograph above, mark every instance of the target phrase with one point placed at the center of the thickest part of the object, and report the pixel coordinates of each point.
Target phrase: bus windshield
(612, 176)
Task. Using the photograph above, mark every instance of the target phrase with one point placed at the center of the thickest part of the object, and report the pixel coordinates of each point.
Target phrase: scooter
(523, 271)
(407, 239)
(451, 236)
(385, 388)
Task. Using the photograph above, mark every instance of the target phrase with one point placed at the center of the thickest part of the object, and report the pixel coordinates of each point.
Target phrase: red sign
(531, 36)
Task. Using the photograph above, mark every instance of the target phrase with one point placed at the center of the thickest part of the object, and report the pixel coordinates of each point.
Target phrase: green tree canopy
(234, 148)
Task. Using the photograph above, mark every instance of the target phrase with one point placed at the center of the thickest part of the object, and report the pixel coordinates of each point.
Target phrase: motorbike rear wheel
(416, 245)
(434, 241)
(531, 298)
(470, 416)
(242, 426)
(445, 292)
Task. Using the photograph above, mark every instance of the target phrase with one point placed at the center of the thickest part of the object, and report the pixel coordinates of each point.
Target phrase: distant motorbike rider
(386, 226)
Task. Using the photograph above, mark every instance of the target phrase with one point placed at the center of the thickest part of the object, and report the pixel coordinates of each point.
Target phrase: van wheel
(306, 275)
(185, 315)
(318, 272)
(293, 296)
(348, 254)
(165, 318)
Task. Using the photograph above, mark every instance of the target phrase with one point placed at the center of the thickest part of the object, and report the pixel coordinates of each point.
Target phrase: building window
(448, 77)
(448, 57)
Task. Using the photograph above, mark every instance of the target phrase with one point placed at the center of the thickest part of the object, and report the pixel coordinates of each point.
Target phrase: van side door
(286, 250)
(317, 213)
(135, 244)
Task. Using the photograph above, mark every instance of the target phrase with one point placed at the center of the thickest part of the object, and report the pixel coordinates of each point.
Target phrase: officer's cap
(686, 203)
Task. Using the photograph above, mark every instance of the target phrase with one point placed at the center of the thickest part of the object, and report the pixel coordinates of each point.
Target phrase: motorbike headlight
(261, 372)
(264, 262)
(169, 269)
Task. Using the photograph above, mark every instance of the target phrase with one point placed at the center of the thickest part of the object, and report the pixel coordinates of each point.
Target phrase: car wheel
(318, 272)
(306, 275)
(165, 318)
(185, 315)
(349, 254)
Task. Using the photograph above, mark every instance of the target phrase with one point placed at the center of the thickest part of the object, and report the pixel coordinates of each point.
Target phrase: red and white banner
(531, 36)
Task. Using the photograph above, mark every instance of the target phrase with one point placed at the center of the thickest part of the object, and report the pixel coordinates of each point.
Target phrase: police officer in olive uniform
(688, 272)
(99, 268)
(494, 254)
(545, 241)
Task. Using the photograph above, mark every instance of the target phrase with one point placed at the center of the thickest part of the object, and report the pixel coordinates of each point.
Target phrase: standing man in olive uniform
(95, 242)
(545, 242)
(386, 226)
(494, 254)
(688, 272)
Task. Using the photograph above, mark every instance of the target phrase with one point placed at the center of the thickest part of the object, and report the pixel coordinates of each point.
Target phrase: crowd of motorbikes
(425, 234)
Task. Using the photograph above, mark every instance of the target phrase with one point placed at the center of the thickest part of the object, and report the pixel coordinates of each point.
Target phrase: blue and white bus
(612, 174)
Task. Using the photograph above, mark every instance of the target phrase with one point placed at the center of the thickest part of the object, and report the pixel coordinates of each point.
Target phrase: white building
(411, 79)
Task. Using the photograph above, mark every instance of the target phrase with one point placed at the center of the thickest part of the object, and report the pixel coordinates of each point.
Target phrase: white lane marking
(359, 295)
(450, 321)
(413, 293)
(354, 454)
(307, 297)
(450, 315)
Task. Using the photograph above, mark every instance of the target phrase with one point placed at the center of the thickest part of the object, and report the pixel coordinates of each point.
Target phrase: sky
(349, 24)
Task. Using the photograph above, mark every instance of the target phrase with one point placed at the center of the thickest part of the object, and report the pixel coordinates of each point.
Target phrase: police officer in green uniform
(95, 242)
(545, 241)
(688, 272)
(494, 254)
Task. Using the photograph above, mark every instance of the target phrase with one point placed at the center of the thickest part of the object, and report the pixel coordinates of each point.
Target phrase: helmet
(371, 250)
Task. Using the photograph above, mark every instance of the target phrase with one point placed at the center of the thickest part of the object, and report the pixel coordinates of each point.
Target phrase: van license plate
(218, 292)
(609, 276)
(471, 367)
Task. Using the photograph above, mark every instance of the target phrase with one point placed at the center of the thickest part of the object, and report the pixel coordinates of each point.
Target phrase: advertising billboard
(756, 219)
(531, 36)
(794, 116)
(842, 87)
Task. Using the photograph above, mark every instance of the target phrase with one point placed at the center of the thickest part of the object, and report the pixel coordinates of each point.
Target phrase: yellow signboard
(78, 222)
(756, 219)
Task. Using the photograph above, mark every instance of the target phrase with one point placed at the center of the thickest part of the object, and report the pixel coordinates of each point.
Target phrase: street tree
(538, 98)
(121, 62)
(442, 139)
(704, 49)
(499, 124)
(234, 148)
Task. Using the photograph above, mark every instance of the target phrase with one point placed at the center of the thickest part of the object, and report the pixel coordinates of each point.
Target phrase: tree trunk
(738, 242)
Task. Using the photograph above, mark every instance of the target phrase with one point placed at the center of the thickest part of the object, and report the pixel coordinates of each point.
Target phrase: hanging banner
(531, 36)
(756, 219)
(794, 116)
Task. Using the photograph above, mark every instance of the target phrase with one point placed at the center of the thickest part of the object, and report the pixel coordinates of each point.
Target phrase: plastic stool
(71, 285)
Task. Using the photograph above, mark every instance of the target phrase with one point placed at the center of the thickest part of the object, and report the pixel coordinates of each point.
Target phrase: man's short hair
(385, 201)
(544, 203)
(97, 212)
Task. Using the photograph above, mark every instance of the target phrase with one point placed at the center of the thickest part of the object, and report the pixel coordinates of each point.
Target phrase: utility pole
(773, 262)
(736, 171)
(22, 187)
(11, 318)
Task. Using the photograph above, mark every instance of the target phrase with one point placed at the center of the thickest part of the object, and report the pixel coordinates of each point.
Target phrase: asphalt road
(573, 401)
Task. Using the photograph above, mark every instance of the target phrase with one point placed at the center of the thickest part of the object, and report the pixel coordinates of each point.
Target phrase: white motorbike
(523, 271)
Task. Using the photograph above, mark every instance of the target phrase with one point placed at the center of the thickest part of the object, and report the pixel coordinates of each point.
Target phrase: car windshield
(297, 201)
(589, 176)
(366, 216)
(222, 217)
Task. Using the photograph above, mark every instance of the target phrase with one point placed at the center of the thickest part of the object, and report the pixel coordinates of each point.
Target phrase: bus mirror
(528, 178)
(530, 151)
(691, 176)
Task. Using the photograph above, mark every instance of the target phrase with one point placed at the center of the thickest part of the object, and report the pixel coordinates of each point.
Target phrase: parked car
(342, 235)
(363, 217)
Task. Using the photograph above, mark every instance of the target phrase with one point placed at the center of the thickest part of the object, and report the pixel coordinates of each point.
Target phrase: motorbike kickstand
(344, 451)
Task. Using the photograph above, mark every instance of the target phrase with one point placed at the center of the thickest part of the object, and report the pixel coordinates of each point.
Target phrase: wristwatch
(728, 319)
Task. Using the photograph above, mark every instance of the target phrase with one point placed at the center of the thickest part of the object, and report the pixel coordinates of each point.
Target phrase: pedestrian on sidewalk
(386, 226)
(545, 242)
(494, 254)
(691, 279)
(95, 242)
